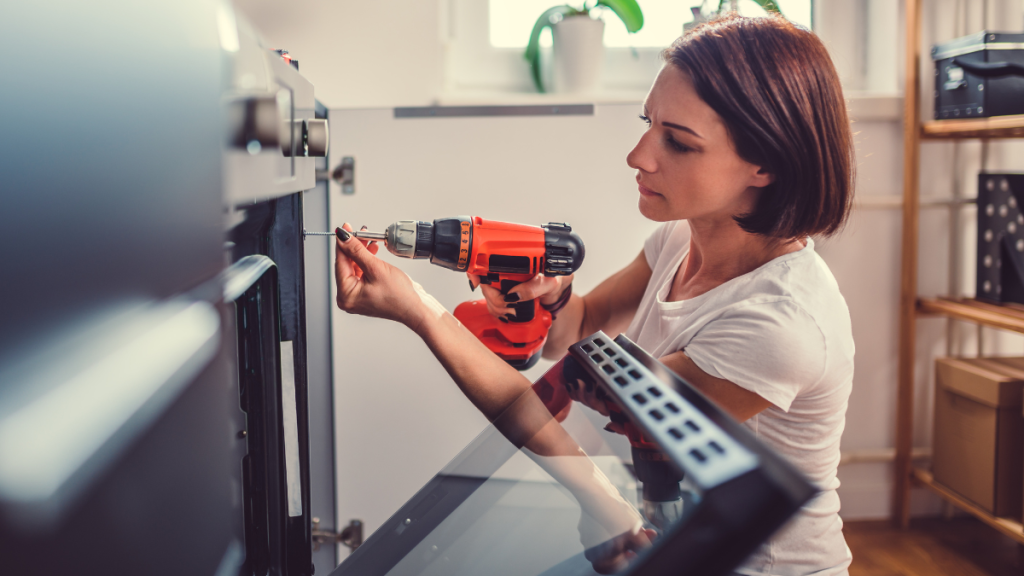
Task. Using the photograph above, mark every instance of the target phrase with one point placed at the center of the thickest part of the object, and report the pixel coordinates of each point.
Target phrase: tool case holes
(675, 433)
(657, 415)
(636, 375)
(587, 348)
(621, 381)
(622, 362)
(609, 352)
(692, 425)
(640, 398)
(714, 446)
(608, 369)
(654, 392)
(698, 455)
(597, 358)
(672, 408)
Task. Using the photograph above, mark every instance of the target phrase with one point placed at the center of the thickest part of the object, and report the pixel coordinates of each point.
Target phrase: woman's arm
(740, 403)
(371, 287)
(609, 307)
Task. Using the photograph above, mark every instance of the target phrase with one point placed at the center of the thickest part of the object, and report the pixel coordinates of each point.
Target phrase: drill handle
(526, 310)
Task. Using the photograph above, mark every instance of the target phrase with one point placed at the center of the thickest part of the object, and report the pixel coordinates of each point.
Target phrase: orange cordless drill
(503, 255)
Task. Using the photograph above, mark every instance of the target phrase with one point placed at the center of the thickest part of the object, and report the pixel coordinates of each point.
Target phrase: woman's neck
(720, 252)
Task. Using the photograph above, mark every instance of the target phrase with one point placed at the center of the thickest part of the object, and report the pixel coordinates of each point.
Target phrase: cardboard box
(979, 431)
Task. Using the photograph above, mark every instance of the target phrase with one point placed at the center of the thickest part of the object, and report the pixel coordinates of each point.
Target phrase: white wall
(358, 54)
(400, 418)
(442, 167)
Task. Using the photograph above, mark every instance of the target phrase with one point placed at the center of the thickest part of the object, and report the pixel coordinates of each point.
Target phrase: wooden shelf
(1011, 528)
(996, 127)
(1007, 317)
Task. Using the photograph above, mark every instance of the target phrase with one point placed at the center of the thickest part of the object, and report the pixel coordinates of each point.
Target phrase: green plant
(726, 6)
(768, 5)
(627, 10)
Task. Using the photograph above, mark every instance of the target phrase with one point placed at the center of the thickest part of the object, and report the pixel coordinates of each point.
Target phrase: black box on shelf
(980, 75)
(1000, 238)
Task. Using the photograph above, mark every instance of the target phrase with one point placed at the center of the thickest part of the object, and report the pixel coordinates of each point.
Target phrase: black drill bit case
(1000, 238)
(980, 75)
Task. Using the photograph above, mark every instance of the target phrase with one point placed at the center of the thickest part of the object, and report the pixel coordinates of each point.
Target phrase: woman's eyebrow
(674, 125)
(681, 127)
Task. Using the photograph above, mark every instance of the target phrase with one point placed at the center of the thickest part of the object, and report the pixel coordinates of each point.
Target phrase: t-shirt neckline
(689, 303)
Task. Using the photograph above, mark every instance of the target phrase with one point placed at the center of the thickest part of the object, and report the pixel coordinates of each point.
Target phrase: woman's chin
(653, 208)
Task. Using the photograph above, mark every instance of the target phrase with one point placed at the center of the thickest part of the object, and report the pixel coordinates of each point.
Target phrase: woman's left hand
(371, 287)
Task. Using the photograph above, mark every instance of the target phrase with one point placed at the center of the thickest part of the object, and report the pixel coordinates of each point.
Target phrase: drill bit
(364, 234)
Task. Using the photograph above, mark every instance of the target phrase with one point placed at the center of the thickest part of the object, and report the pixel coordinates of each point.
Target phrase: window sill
(862, 106)
(496, 98)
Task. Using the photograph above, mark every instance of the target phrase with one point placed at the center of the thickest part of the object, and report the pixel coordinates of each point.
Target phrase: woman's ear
(762, 177)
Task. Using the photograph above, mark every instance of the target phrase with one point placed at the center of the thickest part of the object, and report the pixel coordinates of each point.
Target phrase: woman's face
(686, 164)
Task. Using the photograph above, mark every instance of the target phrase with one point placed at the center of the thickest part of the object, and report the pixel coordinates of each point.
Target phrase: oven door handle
(85, 401)
(241, 275)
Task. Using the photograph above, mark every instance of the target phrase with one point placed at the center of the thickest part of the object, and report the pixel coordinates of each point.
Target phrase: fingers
(540, 286)
(357, 252)
(371, 246)
(343, 266)
(496, 304)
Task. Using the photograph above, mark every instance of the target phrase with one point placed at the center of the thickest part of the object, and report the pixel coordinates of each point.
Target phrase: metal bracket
(345, 174)
(351, 535)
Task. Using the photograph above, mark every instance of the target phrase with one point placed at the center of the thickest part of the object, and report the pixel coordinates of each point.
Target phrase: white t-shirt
(782, 331)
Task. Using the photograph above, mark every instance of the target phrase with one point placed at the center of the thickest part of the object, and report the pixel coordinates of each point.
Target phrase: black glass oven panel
(552, 486)
(271, 341)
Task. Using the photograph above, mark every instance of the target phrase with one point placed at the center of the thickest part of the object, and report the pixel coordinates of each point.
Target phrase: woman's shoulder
(801, 277)
(797, 287)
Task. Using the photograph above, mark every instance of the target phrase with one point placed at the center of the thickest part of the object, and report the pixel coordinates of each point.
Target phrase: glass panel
(550, 488)
(512, 20)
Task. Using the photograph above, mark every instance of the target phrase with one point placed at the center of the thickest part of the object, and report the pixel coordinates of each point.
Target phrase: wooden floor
(932, 547)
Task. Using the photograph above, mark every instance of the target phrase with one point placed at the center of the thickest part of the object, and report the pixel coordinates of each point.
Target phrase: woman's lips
(645, 191)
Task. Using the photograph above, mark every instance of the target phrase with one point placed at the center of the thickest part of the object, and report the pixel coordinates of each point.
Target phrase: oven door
(610, 463)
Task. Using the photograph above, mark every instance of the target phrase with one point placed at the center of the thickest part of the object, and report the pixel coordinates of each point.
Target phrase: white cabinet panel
(399, 417)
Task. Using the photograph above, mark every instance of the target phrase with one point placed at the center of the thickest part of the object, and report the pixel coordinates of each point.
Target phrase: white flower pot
(578, 54)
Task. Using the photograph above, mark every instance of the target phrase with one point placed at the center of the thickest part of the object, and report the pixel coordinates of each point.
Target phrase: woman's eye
(645, 119)
(675, 145)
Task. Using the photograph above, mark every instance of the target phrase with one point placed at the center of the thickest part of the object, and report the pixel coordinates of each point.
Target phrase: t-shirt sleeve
(773, 349)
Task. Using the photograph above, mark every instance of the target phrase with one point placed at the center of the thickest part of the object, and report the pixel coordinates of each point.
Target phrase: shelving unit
(912, 307)
(998, 127)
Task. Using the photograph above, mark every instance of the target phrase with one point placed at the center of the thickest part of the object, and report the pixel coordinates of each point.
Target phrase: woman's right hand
(371, 287)
(547, 288)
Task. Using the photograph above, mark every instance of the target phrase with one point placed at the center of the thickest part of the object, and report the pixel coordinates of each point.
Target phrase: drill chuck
(410, 238)
(446, 241)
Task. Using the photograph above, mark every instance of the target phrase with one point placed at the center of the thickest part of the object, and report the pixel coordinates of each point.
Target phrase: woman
(748, 153)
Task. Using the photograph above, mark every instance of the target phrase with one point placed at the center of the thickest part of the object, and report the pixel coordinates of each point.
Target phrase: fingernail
(511, 297)
(510, 316)
(503, 320)
(363, 228)
(342, 234)
(471, 287)
(608, 427)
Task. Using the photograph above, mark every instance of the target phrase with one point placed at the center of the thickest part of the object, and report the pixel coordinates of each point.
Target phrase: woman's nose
(639, 158)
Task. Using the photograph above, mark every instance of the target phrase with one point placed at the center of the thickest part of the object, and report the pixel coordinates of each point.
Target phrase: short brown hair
(775, 87)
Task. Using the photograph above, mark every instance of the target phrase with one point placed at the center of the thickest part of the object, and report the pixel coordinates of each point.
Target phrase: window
(485, 41)
(512, 20)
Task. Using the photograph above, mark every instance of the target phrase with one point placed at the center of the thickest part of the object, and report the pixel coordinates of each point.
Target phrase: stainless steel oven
(154, 374)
